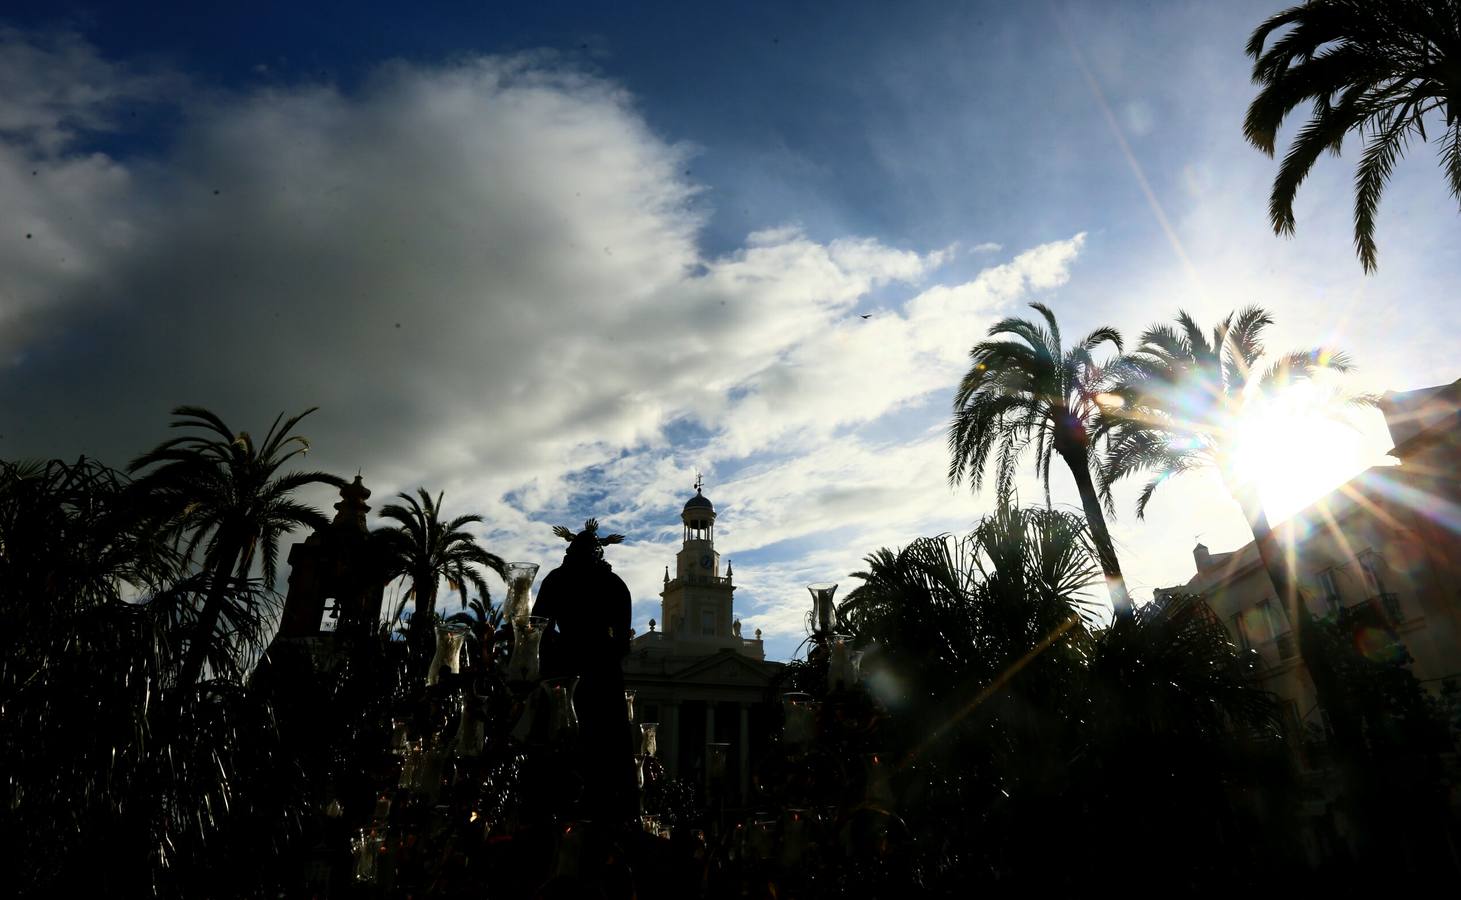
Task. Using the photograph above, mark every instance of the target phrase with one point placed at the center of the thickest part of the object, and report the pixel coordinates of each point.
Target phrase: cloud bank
(488, 276)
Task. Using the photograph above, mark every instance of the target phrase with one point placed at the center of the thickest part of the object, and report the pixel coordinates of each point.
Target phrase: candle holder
(824, 613)
(527, 637)
(629, 705)
(878, 791)
(518, 604)
(562, 717)
(842, 670)
(366, 847)
(800, 719)
(449, 639)
(716, 755)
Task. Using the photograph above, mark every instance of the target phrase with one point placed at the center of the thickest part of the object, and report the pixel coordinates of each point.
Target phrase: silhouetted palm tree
(231, 502)
(1373, 67)
(1030, 390)
(1184, 399)
(426, 550)
(122, 777)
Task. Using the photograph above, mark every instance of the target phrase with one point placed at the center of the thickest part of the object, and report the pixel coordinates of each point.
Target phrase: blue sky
(555, 258)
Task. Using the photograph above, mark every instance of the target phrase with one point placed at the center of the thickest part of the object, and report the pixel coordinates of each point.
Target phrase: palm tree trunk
(208, 619)
(421, 636)
(1105, 549)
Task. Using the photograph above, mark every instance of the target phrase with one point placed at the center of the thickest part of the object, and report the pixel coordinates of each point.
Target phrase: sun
(1296, 447)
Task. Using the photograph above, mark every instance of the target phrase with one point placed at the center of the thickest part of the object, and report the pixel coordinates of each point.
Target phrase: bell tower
(696, 604)
(334, 577)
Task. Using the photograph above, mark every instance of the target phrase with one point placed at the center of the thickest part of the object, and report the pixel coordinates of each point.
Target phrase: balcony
(1287, 647)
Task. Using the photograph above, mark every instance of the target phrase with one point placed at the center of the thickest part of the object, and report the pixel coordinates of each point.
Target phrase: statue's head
(586, 544)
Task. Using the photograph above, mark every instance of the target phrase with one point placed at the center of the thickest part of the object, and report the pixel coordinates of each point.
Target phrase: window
(330, 620)
(707, 623)
(1262, 623)
(1241, 630)
(1275, 620)
(1329, 590)
(1373, 565)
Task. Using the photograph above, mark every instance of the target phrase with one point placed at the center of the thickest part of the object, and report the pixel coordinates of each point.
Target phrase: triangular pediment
(727, 666)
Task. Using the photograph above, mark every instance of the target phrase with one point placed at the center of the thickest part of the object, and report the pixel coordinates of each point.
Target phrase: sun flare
(1296, 448)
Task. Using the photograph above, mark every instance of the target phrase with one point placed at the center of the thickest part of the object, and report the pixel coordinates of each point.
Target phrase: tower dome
(699, 515)
(698, 502)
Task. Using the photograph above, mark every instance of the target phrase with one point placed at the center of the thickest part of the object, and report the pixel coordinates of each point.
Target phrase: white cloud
(489, 276)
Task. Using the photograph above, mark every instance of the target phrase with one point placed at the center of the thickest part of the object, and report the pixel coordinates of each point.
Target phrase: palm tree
(123, 777)
(1373, 67)
(426, 550)
(1012, 712)
(1185, 396)
(231, 502)
(1030, 389)
(1183, 399)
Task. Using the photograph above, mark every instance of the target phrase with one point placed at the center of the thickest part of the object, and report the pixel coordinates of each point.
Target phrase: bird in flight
(868, 316)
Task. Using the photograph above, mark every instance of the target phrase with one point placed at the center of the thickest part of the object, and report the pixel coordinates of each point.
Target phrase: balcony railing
(708, 580)
(1287, 648)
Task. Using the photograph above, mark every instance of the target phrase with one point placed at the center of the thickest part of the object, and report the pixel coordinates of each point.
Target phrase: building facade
(1384, 548)
(693, 672)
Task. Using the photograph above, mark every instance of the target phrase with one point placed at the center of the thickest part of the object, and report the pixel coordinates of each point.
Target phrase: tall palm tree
(1025, 388)
(1185, 397)
(1373, 67)
(231, 502)
(426, 550)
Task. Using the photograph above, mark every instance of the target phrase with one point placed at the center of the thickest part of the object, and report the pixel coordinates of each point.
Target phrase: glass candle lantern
(716, 755)
(800, 718)
(824, 614)
(649, 738)
(366, 847)
(518, 605)
(471, 734)
(793, 837)
(562, 717)
(400, 745)
(527, 637)
(410, 767)
(878, 790)
(449, 639)
(842, 673)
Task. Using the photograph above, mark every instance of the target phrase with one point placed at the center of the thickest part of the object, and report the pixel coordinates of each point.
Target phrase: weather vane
(699, 482)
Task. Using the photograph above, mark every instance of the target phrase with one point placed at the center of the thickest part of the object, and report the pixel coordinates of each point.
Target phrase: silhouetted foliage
(124, 777)
(1012, 712)
(1377, 68)
(425, 549)
(225, 497)
(1025, 388)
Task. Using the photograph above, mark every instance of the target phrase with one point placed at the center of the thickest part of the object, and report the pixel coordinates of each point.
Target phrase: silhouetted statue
(590, 606)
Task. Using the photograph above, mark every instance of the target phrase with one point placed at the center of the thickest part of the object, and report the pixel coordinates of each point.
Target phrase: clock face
(705, 561)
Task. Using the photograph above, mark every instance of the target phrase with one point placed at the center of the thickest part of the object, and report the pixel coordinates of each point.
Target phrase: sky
(554, 259)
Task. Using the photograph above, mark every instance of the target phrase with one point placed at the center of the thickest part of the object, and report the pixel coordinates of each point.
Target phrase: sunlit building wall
(1384, 547)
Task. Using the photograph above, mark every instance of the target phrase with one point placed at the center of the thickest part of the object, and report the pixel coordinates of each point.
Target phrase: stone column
(709, 723)
(745, 752)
